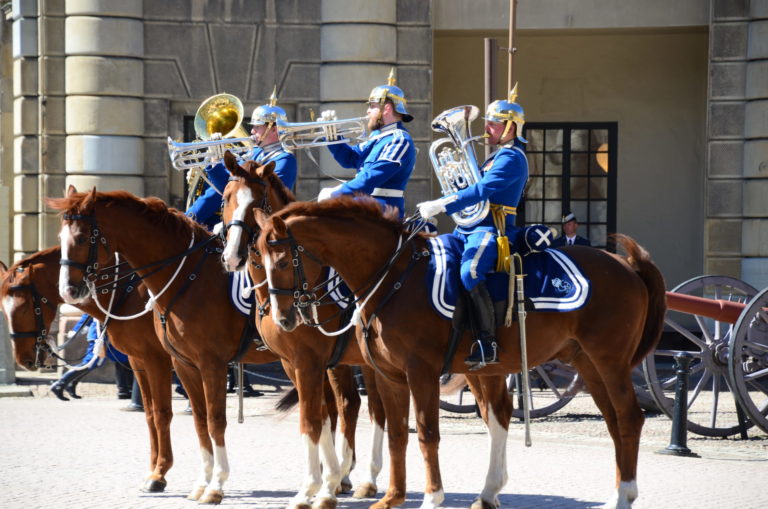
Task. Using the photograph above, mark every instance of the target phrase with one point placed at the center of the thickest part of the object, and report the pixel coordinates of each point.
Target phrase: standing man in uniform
(569, 236)
(384, 161)
(503, 180)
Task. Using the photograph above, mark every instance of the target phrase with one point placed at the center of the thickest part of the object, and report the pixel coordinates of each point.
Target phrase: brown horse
(189, 293)
(307, 349)
(406, 339)
(30, 297)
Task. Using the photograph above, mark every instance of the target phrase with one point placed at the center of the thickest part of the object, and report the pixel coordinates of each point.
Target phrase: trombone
(297, 135)
(218, 127)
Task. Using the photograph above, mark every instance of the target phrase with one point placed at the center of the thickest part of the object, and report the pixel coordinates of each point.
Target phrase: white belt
(387, 193)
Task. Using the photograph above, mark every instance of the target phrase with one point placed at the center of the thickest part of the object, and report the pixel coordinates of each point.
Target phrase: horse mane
(33, 258)
(152, 208)
(346, 207)
(283, 192)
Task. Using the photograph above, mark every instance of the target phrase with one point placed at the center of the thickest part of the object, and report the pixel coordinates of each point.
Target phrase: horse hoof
(211, 497)
(300, 505)
(479, 503)
(365, 490)
(344, 487)
(196, 493)
(325, 503)
(154, 486)
(387, 503)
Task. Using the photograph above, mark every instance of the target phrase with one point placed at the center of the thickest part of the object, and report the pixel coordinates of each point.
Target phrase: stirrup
(484, 352)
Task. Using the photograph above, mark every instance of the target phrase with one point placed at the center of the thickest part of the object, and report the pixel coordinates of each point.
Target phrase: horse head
(251, 186)
(29, 303)
(80, 239)
(290, 294)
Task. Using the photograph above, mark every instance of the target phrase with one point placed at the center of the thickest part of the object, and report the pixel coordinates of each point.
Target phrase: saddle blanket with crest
(240, 291)
(553, 281)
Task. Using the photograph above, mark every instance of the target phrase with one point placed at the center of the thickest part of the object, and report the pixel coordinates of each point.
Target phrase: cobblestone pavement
(86, 453)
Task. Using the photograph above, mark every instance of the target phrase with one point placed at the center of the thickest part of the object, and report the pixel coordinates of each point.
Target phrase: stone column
(104, 94)
(754, 245)
(360, 43)
(736, 229)
(38, 91)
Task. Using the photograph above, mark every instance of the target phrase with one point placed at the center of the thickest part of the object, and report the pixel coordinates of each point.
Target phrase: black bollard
(677, 445)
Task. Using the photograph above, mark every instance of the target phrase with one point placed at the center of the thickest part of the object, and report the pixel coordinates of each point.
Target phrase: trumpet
(218, 126)
(297, 135)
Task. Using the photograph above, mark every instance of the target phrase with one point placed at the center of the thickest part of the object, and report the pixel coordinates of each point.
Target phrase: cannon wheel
(549, 382)
(748, 364)
(712, 405)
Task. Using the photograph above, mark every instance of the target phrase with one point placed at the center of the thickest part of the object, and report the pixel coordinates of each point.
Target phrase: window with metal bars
(572, 168)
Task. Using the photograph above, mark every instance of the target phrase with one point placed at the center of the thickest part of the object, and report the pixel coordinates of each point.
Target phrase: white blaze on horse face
(65, 237)
(9, 306)
(267, 258)
(235, 233)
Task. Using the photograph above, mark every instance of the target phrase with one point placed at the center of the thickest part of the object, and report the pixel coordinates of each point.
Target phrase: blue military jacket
(384, 163)
(206, 209)
(285, 162)
(503, 182)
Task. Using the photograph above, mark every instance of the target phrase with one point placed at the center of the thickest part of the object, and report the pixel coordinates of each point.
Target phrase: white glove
(71, 334)
(329, 130)
(326, 192)
(432, 208)
(216, 152)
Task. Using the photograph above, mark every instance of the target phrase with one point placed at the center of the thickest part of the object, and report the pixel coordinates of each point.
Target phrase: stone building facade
(91, 89)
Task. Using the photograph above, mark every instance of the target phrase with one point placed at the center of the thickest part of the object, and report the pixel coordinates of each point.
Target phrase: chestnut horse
(30, 296)
(618, 326)
(307, 349)
(192, 314)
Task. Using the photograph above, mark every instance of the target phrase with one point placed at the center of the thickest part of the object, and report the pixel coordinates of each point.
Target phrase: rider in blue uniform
(384, 162)
(503, 180)
(206, 208)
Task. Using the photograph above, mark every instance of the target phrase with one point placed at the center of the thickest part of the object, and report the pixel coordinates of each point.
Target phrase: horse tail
(288, 401)
(641, 262)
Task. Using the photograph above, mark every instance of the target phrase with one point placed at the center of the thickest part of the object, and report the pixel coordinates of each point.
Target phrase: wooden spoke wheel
(748, 366)
(712, 405)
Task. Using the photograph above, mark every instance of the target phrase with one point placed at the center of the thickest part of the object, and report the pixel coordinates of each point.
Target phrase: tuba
(218, 127)
(296, 135)
(456, 165)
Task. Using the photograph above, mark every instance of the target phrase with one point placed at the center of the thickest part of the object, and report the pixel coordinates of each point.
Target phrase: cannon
(728, 389)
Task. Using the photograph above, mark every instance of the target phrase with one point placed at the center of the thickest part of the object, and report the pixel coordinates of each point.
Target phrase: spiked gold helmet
(395, 94)
(508, 111)
(269, 113)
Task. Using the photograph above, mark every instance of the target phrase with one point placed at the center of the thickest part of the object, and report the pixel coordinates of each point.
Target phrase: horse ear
(230, 161)
(3, 269)
(267, 169)
(279, 226)
(70, 191)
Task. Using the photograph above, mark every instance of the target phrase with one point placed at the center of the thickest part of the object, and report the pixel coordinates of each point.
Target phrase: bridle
(304, 297)
(252, 233)
(91, 266)
(40, 333)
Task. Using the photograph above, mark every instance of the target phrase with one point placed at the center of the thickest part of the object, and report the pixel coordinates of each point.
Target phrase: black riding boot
(58, 387)
(71, 388)
(484, 350)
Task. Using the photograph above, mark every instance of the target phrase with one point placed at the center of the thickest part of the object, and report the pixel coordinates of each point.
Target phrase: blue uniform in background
(206, 209)
(384, 163)
(503, 182)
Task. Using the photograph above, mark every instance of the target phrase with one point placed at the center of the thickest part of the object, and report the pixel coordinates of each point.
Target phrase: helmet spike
(391, 78)
(273, 97)
(513, 94)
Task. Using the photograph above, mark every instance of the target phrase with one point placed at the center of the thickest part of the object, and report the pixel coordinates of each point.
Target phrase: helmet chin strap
(270, 125)
(506, 131)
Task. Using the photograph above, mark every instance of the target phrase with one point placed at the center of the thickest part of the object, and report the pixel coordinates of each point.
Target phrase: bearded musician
(385, 160)
(206, 208)
(503, 180)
